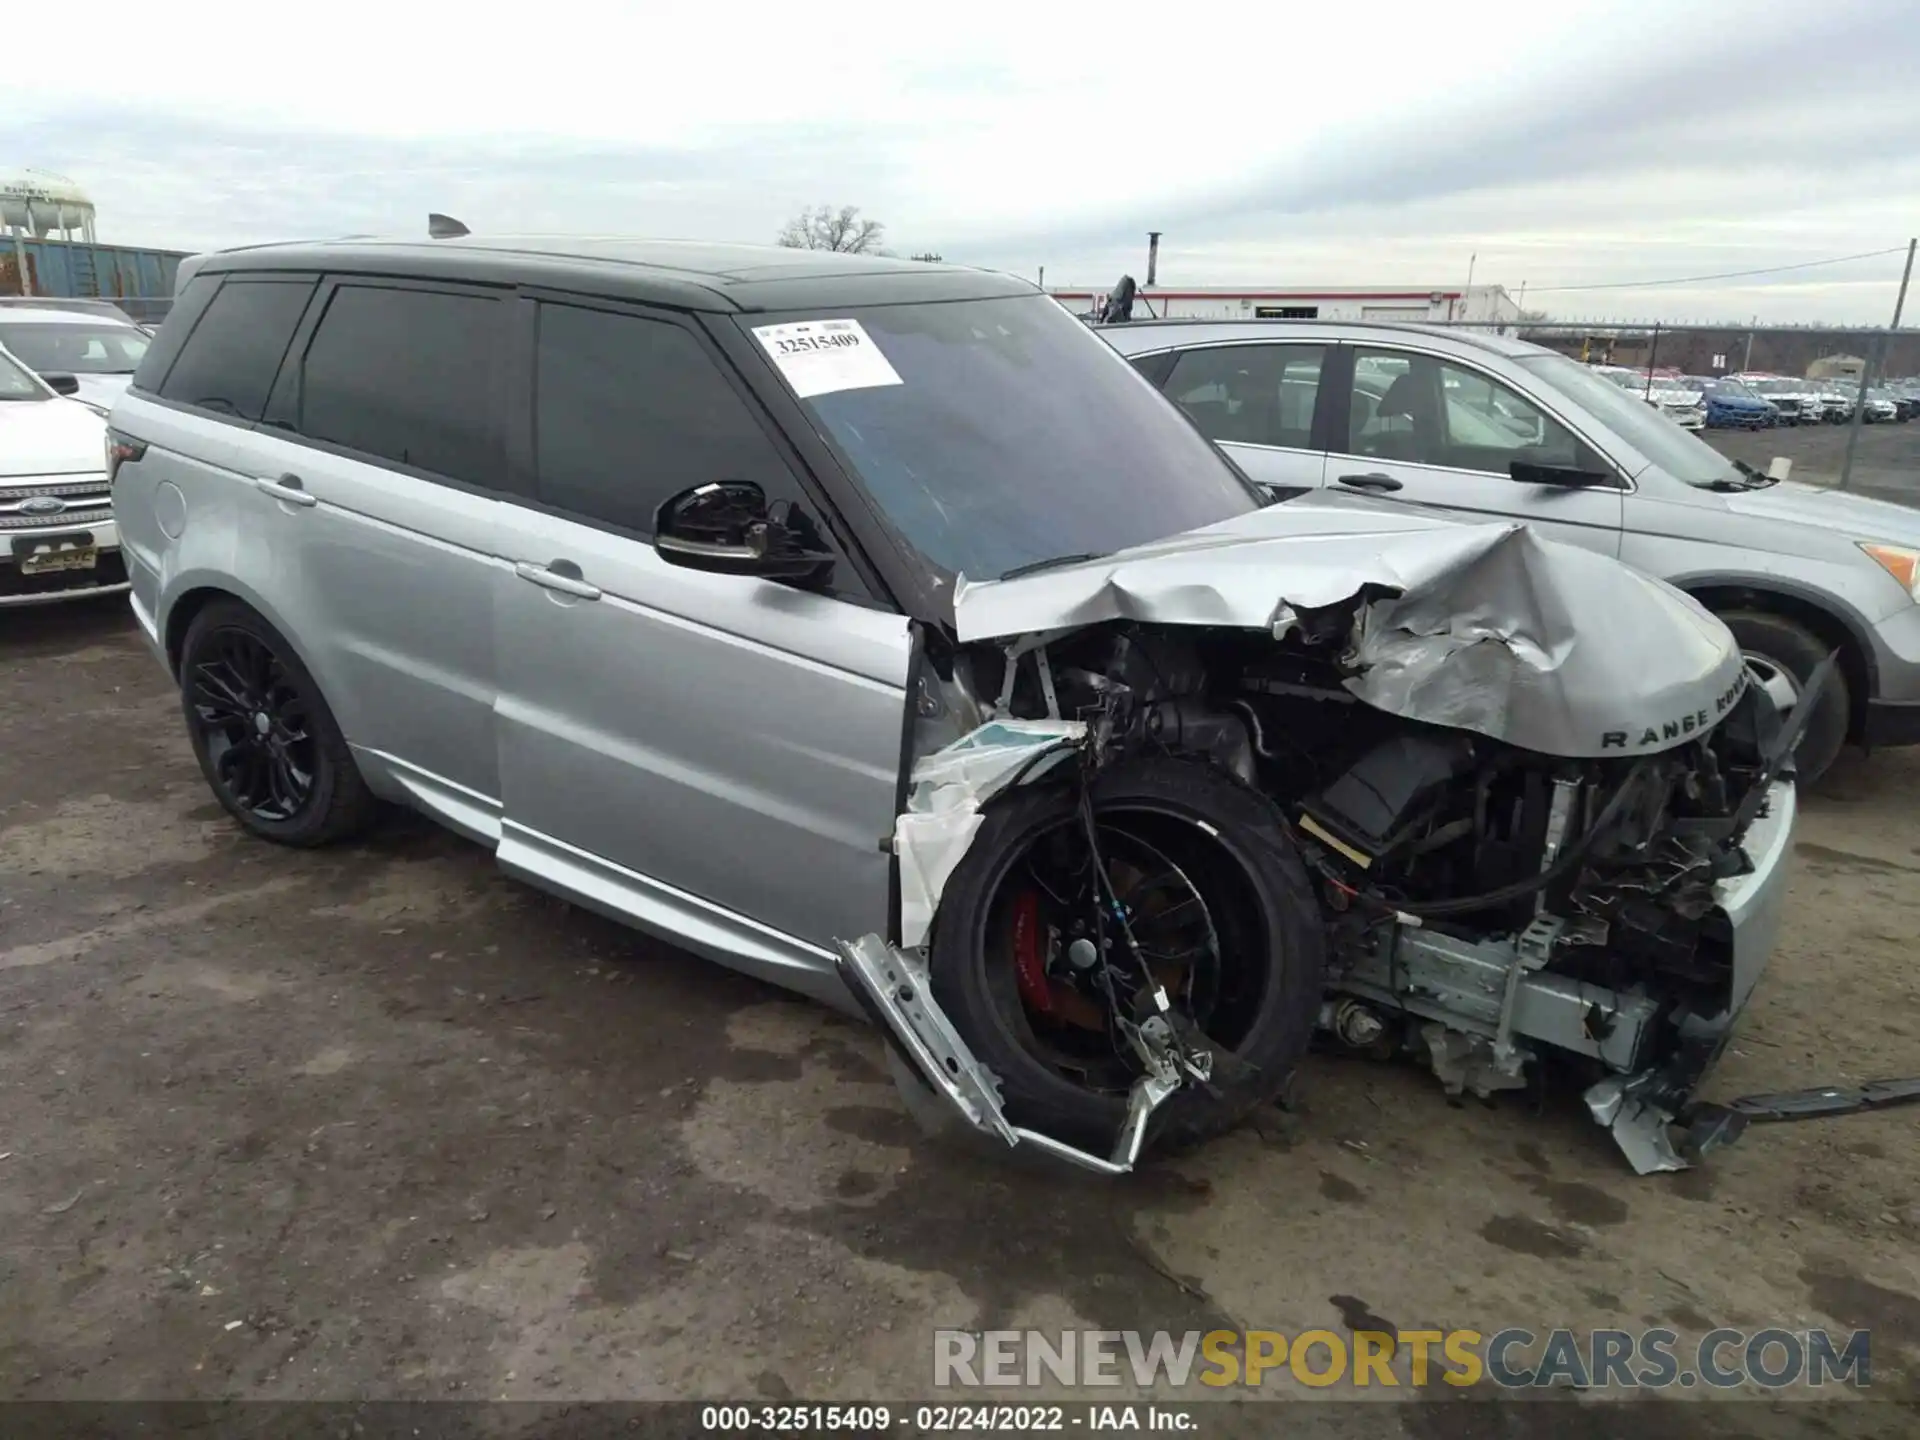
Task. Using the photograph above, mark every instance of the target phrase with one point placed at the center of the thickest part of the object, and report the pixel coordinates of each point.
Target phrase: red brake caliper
(1030, 961)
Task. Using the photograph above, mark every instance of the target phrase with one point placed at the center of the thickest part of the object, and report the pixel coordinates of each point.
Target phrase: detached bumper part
(892, 987)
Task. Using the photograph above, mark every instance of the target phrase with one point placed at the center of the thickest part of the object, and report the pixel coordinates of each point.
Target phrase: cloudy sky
(1563, 144)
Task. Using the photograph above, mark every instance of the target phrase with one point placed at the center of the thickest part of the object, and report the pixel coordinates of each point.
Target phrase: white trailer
(1484, 304)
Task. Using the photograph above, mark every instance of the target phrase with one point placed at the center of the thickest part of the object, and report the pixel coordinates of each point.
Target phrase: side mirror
(60, 382)
(727, 527)
(1565, 476)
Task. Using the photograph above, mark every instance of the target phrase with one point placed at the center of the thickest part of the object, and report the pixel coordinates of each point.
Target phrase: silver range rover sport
(874, 628)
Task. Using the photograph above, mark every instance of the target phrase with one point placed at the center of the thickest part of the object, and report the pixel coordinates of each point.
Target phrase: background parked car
(1733, 405)
(1797, 404)
(1882, 407)
(57, 535)
(1836, 401)
(101, 351)
(1677, 397)
(1487, 426)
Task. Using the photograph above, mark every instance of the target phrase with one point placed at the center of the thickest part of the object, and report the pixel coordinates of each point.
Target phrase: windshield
(75, 349)
(1000, 434)
(1732, 387)
(1655, 436)
(16, 383)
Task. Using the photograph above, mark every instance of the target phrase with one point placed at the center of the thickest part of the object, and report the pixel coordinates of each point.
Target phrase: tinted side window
(229, 359)
(407, 376)
(629, 412)
(173, 330)
(1255, 394)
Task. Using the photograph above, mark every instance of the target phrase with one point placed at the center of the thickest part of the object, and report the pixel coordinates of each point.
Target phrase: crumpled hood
(51, 437)
(1486, 628)
(1859, 516)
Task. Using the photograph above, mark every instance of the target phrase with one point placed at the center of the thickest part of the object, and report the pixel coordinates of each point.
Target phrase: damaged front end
(1533, 845)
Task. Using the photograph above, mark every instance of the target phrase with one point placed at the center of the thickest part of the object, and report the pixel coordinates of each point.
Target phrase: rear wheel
(1219, 905)
(1783, 655)
(263, 735)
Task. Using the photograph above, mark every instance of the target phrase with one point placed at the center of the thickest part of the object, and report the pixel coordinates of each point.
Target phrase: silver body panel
(712, 758)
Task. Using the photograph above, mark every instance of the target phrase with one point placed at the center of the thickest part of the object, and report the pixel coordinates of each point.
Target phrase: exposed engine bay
(1505, 915)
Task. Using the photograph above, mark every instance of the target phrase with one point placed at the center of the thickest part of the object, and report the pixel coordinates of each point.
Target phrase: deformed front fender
(893, 987)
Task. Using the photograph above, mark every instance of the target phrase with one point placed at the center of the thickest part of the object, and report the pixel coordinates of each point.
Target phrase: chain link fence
(1825, 352)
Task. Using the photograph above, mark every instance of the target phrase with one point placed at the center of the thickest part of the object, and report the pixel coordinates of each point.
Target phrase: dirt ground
(379, 1122)
(1886, 461)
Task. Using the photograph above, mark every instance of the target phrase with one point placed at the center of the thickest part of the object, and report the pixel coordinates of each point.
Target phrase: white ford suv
(58, 539)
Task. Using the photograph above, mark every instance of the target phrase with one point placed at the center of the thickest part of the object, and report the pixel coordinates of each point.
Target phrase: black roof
(689, 274)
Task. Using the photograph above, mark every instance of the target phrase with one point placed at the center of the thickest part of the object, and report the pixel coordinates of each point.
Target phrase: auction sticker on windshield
(819, 357)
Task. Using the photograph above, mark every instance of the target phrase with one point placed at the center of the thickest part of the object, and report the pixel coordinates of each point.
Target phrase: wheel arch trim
(1807, 606)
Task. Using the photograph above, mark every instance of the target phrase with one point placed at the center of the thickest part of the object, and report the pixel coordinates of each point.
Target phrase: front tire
(1252, 988)
(265, 739)
(1783, 656)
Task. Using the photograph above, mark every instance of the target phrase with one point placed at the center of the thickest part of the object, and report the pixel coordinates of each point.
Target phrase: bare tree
(825, 228)
(931, 257)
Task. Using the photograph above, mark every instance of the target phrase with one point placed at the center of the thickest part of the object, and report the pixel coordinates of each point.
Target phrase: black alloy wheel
(254, 726)
(263, 734)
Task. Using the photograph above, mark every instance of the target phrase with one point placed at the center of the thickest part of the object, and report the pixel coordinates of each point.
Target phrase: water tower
(38, 203)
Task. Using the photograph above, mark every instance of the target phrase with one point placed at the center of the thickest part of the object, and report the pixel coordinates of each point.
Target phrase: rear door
(381, 459)
(1258, 402)
(1418, 427)
(716, 756)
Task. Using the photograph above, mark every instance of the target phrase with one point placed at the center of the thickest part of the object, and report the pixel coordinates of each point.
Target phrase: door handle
(288, 488)
(551, 579)
(1373, 481)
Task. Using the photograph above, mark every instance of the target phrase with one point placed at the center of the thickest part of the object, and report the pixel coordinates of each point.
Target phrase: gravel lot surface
(379, 1122)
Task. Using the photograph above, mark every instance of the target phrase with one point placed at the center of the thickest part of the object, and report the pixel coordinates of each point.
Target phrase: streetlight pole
(1872, 364)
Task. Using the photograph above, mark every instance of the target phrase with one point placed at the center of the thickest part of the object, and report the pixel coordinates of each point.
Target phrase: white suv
(57, 535)
(97, 349)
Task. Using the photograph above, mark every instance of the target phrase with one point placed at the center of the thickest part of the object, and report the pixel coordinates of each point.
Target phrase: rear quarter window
(182, 316)
(228, 362)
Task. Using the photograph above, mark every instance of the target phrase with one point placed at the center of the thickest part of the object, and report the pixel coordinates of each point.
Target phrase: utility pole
(1867, 370)
(1747, 364)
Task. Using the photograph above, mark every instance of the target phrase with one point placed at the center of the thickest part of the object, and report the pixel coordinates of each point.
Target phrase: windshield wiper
(1751, 479)
(1049, 563)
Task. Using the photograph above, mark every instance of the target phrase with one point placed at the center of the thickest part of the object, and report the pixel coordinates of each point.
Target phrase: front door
(716, 756)
(1434, 431)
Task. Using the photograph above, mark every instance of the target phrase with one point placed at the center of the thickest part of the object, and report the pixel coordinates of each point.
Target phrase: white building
(1483, 303)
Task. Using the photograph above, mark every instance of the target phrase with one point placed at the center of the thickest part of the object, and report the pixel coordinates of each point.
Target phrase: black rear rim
(253, 724)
